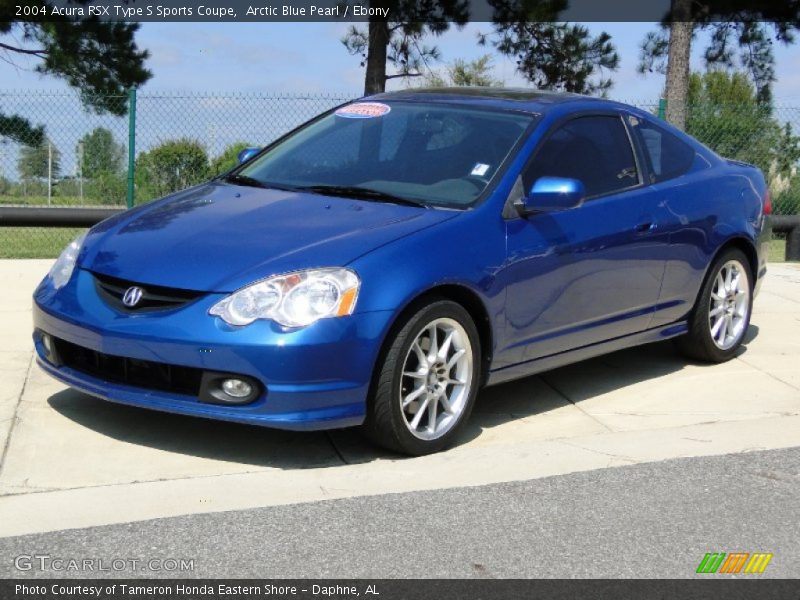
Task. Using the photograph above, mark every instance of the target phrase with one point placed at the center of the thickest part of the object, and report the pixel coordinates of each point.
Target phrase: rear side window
(668, 155)
(594, 150)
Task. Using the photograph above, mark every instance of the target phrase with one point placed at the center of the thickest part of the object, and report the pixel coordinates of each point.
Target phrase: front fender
(464, 252)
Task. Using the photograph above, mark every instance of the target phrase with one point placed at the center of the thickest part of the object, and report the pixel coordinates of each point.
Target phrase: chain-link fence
(83, 159)
(762, 135)
(766, 136)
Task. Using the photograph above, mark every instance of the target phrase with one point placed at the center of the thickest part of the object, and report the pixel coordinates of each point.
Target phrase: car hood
(219, 237)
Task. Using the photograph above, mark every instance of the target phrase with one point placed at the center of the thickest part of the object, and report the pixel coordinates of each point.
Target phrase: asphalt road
(642, 521)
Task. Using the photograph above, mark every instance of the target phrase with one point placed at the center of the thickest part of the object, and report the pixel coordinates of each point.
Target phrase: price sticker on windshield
(363, 110)
(480, 169)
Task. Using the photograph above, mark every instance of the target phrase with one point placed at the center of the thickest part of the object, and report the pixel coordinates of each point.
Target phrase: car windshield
(404, 152)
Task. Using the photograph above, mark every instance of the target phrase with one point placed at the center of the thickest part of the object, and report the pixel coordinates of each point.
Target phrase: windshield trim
(500, 172)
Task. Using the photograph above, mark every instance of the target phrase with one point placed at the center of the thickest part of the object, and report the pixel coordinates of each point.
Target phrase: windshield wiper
(362, 193)
(238, 179)
(245, 180)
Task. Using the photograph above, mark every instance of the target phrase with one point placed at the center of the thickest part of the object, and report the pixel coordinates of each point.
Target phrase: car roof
(532, 101)
(528, 100)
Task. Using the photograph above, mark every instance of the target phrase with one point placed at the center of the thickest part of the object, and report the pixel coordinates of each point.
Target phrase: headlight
(65, 264)
(293, 300)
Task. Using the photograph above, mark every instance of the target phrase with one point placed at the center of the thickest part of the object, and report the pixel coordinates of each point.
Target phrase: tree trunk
(680, 48)
(375, 78)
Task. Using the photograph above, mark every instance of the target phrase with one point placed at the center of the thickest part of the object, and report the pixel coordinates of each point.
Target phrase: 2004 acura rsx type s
(381, 263)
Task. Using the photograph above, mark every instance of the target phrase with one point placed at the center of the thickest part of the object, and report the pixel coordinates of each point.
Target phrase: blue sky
(308, 57)
(289, 58)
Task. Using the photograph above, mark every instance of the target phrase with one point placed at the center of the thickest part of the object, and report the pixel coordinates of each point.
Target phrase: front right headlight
(293, 300)
(61, 271)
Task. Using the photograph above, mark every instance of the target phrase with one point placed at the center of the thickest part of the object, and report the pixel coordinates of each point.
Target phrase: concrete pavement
(647, 520)
(71, 461)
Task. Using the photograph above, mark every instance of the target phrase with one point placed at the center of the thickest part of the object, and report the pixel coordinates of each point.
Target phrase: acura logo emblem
(132, 296)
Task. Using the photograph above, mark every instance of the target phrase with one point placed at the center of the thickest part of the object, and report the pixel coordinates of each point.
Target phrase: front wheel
(721, 316)
(427, 382)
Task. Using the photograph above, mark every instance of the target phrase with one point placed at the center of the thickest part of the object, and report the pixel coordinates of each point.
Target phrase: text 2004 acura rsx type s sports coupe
(381, 263)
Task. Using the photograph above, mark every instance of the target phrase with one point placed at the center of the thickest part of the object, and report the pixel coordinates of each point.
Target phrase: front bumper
(316, 377)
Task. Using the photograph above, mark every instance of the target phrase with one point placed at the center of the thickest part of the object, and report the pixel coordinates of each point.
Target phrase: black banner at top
(783, 11)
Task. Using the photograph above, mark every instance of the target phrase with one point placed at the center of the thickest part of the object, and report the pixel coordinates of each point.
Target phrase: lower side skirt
(546, 363)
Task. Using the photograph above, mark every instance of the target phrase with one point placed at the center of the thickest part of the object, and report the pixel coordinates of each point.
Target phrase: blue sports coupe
(381, 263)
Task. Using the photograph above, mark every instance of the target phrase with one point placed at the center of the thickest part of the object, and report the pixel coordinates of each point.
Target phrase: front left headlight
(293, 300)
(61, 271)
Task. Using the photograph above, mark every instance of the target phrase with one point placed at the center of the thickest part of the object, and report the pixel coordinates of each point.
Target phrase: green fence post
(131, 144)
(662, 108)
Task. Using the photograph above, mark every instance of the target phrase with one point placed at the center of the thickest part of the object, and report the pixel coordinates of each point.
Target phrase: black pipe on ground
(50, 216)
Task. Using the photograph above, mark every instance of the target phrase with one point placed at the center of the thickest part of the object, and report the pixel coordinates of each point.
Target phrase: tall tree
(171, 166)
(397, 40)
(101, 153)
(476, 72)
(558, 56)
(39, 160)
(751, 27)
(551, 54)
(228, 159)
(726, 114)
(680, 50)
(98, 58)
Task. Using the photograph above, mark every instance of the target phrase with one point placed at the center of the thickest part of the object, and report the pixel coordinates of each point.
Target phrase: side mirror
(550, 194)
(247, 154)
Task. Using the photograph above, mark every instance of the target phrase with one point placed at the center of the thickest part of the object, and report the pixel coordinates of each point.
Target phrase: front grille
(154, 297)
(130, 371)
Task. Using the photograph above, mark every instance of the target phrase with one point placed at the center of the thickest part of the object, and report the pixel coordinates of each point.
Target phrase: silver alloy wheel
(729, 304)
(436, 380)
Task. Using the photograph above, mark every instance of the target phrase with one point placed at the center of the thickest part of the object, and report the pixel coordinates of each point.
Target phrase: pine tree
(742, 33)
(98, 58)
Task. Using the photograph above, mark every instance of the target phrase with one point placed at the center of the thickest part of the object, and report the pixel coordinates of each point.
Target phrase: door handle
(645, 227)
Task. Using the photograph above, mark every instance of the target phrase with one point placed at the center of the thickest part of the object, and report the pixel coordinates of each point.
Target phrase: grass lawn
(777, 251)
(34, 242)
(39, 242)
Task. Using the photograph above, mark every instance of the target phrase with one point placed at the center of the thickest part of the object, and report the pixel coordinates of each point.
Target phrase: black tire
(698, 343)
(385, 424)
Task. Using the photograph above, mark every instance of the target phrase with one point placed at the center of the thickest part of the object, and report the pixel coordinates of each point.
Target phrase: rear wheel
(427, 382)
(721, 316)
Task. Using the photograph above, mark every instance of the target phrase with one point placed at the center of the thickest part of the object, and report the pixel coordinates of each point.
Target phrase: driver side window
(594, 150)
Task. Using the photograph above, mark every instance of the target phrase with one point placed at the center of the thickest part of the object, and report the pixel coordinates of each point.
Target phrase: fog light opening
(236, 388)
(47, 344)
(228, 388)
